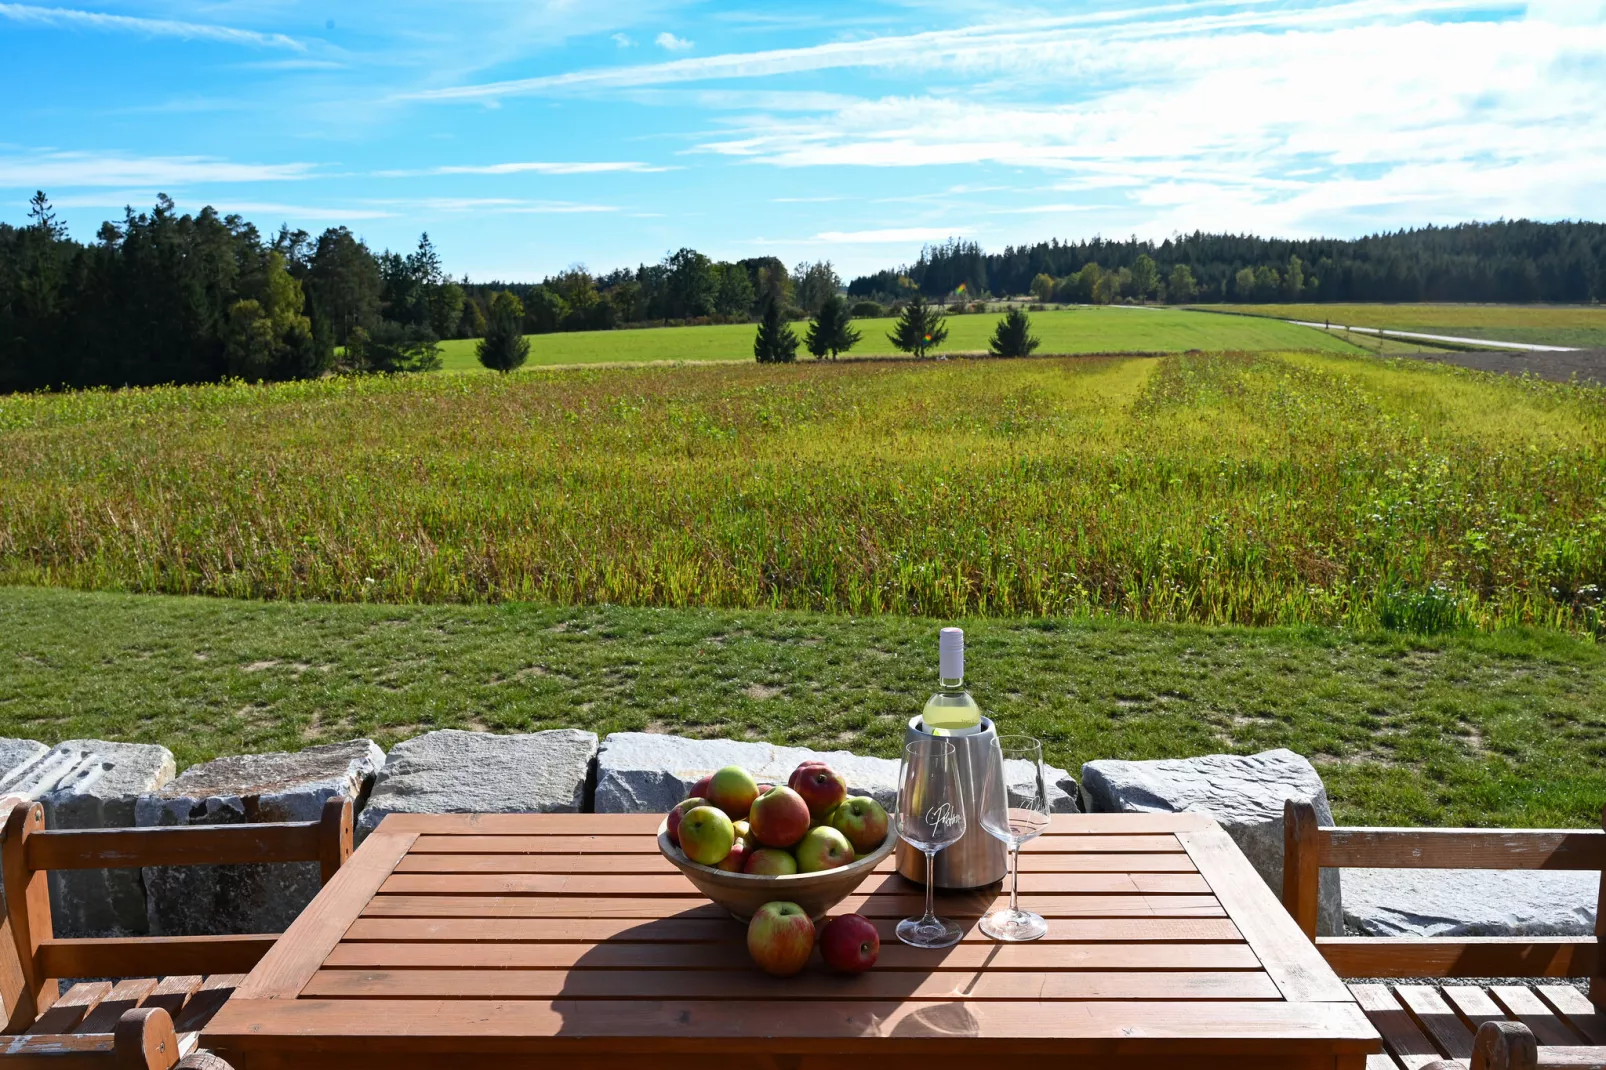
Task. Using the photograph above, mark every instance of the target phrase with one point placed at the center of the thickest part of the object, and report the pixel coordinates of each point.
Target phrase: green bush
(1431, 612)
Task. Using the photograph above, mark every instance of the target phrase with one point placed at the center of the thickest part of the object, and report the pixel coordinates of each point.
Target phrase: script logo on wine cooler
(941, 817)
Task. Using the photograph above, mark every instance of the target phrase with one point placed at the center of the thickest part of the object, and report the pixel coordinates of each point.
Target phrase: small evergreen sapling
(1013, 337)
(832, 331)
(920, 327)
(504, 346)
(775, 342)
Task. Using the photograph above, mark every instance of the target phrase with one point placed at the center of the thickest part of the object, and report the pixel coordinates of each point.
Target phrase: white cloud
(671, 43)
(623, 40)
(492, 206)
(890, 235)
(44, 170)
(68, 18)
(532, 167)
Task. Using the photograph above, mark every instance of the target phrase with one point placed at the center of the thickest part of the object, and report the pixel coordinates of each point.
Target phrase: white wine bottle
(951, 711)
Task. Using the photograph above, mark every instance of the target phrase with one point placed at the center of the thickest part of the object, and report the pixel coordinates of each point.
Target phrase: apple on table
(849, 943)
(780, 938)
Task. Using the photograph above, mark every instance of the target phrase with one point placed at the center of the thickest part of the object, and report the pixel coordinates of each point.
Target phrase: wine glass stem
(1014, 881)
(931, 875)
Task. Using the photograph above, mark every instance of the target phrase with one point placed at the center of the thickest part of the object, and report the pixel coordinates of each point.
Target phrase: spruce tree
(1013, 337)
(919, 328)
(832, 331)
(504, 346)
(775, 343)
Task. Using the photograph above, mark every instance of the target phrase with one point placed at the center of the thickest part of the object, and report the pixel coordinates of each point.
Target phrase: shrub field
(1282, 488)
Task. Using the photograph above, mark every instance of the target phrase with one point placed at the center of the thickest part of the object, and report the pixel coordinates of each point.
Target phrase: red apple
(699, 790)
(823, 848)
(779, 818)
(780, 938)
(741, 848)
(821, 787)
(770, 862)
(733, 790)
(706, 835)
(672, 825)
(862, 820)
(849, 944)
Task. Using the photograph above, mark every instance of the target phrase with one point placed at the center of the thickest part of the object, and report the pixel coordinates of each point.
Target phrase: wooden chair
(1422, 1024)
(166, 987)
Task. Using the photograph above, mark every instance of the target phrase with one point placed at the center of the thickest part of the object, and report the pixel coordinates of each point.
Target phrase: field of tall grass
(1559, 325)
(1074, 331)
(1244, 488)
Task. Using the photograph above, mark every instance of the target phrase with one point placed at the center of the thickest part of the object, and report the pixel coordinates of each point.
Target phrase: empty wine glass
(930, 815)
(1014, 808)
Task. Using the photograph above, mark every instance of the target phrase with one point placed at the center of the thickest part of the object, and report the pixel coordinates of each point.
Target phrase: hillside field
(1259, 489)
(1077, 330)
(1557, 325)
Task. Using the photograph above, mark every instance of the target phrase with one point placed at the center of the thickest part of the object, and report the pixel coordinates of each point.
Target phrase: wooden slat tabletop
(527, 937)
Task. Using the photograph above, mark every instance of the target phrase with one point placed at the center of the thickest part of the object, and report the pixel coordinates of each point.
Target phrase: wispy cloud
(69, 169)
(491, 206)
(671, 43)
(890, 235)
(69, 18)
(623, 40)
(533, 167)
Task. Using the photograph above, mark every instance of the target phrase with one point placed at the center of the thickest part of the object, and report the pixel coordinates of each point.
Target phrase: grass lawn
(1501, 729)
(1560, 325)
(1079, 330)
(1217, 489)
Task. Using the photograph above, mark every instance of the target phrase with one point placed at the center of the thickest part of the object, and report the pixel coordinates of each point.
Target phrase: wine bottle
(951, 711)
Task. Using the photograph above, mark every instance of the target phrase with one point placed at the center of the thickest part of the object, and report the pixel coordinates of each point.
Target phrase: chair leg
(1504, 1046)
(144, 1040)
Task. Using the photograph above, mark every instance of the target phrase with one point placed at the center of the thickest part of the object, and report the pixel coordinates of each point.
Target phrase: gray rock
(88, 784)
(453, 772)
(15, 752)
(253, 788)
(642, 772)
(1475, 902)
(1245, 793)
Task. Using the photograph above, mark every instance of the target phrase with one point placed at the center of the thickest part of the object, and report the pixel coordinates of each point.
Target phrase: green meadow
(1583, 326)
(1076, 330)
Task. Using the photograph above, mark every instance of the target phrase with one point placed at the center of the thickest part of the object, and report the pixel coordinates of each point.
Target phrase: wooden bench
(163, 989)
(1425, 1024)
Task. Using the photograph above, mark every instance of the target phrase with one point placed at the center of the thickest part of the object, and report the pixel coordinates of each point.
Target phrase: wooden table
(538, 938)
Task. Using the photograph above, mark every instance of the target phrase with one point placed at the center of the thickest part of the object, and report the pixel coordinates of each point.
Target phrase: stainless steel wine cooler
(977, 858)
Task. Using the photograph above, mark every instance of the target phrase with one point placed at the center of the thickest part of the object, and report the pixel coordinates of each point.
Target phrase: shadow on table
(688, 974)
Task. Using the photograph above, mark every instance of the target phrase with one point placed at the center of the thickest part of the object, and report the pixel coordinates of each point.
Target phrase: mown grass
(1245, 489)
(1559, 325)
(1502, 729)
(1078, 330)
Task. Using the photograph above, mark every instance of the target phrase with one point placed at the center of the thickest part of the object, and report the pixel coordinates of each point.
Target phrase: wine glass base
(1014, 926)
(929, 932)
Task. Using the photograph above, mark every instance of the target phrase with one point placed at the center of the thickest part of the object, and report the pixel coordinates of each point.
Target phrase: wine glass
(1014, 808)
(930, 815)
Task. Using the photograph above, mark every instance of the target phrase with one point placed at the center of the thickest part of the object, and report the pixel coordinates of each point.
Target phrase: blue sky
(528, 136)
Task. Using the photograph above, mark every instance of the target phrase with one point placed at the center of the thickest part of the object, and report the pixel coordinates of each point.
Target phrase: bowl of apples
(744, 844)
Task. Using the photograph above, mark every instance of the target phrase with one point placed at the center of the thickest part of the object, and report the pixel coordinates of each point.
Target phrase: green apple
(706, 835)
(822, 848)
(863, 821)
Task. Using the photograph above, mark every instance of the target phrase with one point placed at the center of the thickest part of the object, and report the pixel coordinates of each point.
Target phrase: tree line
(1516, 261)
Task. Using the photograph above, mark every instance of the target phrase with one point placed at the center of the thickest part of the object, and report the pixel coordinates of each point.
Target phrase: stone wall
(96, 784)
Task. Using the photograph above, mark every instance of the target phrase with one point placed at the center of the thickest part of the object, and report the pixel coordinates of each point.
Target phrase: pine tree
(832, 331)
(1013, 337)
(919, 328)
(775, 343)
(504, 346)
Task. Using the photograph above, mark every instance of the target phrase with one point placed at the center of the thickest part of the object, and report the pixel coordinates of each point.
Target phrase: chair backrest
(1309, 847)
(32, 958)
